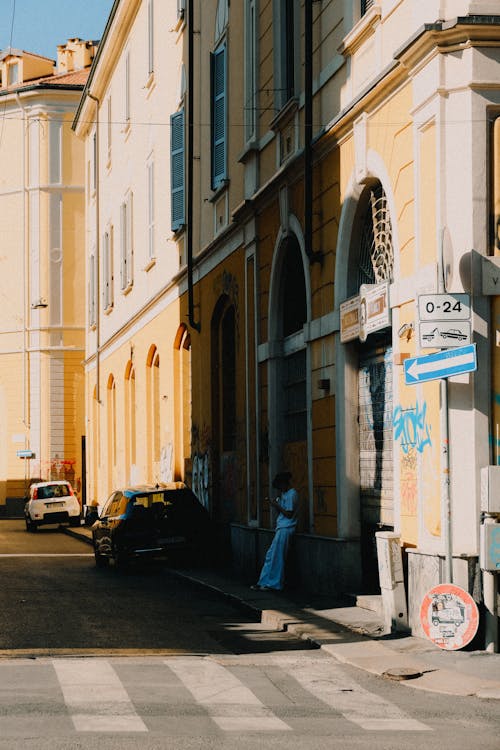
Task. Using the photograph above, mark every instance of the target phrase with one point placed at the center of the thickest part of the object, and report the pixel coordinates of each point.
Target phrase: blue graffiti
(411, 428)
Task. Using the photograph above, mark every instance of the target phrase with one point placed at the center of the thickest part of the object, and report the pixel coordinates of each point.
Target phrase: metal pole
(445, 457)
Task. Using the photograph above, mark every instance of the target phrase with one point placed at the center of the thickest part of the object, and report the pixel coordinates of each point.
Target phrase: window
(150, 37)
(107, 269)
(92, 285)
(228, 385)
(219, 117)
(177, 173)
(109, 130)
(286, 52)
(12, 74)
(111, 421)
(55, 132)
(250, 69)
(151, 210)
(126, 245)
(93, 184)
(295, 400)
(127, 88)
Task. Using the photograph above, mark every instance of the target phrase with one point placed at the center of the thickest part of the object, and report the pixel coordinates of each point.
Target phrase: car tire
(31, 525)
(74, 521)
(100, 560)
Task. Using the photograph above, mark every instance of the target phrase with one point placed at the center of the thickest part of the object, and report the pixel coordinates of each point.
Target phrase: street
(103, 659)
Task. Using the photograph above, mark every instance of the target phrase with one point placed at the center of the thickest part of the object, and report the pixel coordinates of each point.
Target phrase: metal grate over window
(376, 252)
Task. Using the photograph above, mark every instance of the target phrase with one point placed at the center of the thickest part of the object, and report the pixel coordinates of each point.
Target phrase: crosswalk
(198, 694)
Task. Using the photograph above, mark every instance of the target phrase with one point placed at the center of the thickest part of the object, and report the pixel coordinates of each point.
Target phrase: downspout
(314, 257)
(97, 254)
(26, 420)
(189, 157)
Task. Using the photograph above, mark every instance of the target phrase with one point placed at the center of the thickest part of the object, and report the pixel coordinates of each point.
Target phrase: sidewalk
(352, 635)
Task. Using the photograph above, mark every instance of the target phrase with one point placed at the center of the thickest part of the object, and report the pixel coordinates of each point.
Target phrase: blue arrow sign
(441, 364)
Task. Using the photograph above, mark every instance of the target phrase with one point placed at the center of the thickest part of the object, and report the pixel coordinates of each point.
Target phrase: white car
(51, 502)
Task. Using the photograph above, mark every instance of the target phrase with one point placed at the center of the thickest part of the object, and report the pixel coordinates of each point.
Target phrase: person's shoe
(256, 587)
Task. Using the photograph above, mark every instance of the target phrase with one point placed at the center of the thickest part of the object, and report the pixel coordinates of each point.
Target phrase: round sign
(449, 616)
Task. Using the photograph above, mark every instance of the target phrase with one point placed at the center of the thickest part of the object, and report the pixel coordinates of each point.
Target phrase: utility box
(489, 550)
(490, 489)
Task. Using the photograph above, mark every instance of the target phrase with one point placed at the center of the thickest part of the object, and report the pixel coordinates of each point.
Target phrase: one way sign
(440, 365)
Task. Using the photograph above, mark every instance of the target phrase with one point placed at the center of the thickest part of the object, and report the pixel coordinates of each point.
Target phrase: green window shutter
(177, 179)
(219, 116)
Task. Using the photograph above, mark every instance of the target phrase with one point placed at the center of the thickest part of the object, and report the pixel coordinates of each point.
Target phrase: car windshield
(53, 490)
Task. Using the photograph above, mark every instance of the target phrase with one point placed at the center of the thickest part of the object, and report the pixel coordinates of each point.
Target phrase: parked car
(51, 502)
(150, 522)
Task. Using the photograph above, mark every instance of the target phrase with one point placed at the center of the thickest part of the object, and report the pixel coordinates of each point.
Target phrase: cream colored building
(137, 345)
(311, 161)
(42, 240)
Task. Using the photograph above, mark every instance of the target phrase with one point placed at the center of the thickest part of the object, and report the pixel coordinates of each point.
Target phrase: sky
(40, 25)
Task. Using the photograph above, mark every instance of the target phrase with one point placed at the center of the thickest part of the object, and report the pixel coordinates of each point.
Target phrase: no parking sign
(449, 616)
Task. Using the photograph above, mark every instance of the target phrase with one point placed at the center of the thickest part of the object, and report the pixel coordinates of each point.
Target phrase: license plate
(54, 505)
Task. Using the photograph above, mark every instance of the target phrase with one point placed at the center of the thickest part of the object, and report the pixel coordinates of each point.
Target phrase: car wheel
(100, 560)
(74, 521)
(31, 525)
(435, 622)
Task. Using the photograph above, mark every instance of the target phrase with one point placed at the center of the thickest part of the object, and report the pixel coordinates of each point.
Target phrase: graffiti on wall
(411, 428)
(200, 478)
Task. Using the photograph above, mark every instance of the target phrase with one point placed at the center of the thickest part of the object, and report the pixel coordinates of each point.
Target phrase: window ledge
(150, 264)
(216, 194)
(360, 31)
(126, 290)
(108, 310)
(150, 84)
(285, 114)
(251, 147)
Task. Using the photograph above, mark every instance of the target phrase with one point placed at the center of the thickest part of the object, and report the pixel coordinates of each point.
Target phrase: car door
(103, 528)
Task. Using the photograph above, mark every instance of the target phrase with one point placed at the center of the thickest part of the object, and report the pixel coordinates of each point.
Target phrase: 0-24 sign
(444, 307)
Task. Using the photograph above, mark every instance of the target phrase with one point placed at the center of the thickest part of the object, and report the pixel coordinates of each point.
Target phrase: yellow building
(137, 344)
(318, 169)
(42, 332)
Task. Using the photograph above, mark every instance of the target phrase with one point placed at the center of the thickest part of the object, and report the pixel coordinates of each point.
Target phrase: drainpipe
(25, 273)
(97, 253)
(189, 157)
(314, 257)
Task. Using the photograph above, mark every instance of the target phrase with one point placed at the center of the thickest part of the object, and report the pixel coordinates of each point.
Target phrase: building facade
(42, 340)
(326, 165)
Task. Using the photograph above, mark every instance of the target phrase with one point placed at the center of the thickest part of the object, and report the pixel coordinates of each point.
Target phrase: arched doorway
(371, 262)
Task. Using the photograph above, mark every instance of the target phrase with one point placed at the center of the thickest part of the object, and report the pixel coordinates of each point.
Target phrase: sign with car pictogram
(449, 616)
(444, 320)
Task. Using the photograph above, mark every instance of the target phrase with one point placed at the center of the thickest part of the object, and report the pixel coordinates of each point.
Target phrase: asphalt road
(101, 659)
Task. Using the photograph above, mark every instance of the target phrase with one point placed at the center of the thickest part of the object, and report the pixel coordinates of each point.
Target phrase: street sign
(440, 365)
(449, 616)
(374, 308)
(444, 333)
(349, 319)
(444, 307)
(25, 454)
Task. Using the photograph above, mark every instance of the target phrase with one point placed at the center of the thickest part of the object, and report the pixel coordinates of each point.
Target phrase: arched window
(376, 252)
(130, 421)
(182, 396)
(153, 412)
(228, 380)
(111, 424)
(95, 445)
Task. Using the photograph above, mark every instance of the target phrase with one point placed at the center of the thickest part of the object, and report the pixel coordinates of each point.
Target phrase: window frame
(126, 243)
(177, 170)
(219, 115)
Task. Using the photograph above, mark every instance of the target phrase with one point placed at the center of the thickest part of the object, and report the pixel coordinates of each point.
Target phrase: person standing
(272, 576)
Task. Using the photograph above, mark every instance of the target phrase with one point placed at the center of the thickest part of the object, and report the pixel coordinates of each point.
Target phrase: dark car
(151, 522)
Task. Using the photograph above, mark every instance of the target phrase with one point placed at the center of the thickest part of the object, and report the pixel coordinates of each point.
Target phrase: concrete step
(372, 602)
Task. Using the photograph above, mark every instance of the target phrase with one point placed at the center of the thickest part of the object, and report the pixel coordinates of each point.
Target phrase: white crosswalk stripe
(330, 684)
(95, 697)
(191, 695)
(231, 705)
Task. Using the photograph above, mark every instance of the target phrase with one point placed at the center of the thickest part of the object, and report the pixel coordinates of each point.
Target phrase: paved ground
(352, 635)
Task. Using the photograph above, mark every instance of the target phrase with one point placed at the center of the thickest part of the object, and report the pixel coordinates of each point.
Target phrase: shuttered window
(219, 117)
(126, 246)
(177, 178)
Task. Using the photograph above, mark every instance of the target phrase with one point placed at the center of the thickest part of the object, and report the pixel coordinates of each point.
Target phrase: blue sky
(40, 25)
